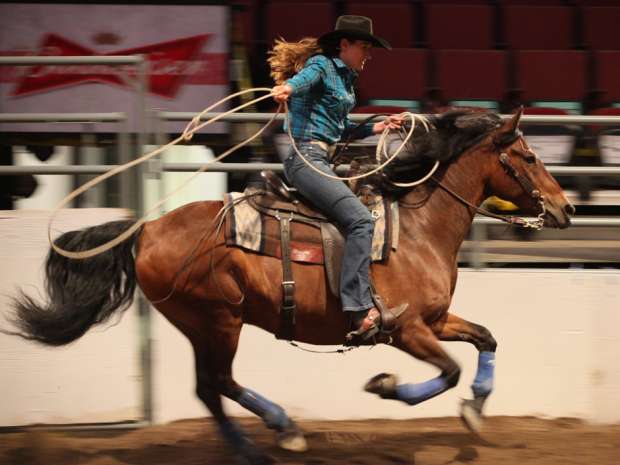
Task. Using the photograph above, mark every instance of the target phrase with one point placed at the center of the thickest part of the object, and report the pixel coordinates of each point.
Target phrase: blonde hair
(288, 58)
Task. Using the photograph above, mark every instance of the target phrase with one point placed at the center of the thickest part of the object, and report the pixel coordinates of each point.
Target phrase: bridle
(527, 186)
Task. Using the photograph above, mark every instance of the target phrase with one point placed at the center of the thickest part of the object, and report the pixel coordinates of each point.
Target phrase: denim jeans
(334, 199)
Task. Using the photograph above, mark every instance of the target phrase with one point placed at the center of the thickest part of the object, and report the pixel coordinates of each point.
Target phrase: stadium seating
(295, 22)
(399, 74)
(532, 2)
(551, 75)
(607, 76)
(600, 27)
(597, 2)
(528, 27)
(453, 2)
(459, 26)
(472, 75)
(392, 21)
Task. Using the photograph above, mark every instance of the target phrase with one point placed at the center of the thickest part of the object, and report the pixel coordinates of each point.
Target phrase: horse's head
(521, 177)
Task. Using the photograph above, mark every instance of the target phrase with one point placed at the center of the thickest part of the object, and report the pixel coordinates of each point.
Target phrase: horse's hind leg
(417, 339)
(214, 353)
(453, 328)
(213, 360)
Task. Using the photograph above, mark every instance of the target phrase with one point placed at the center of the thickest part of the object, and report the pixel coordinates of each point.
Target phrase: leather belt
(329, 148)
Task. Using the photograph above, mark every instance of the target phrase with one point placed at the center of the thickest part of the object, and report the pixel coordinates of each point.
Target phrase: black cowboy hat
(354, 27)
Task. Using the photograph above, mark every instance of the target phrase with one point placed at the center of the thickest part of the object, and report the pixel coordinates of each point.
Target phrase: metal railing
(130, 192)
(253, 167)
(582, 120)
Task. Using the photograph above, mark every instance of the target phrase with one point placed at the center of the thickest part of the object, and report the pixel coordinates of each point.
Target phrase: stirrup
(386, 324)
(365, 334)
(389, 316)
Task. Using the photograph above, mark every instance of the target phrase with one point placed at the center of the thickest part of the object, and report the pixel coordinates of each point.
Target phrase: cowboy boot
(365, 324)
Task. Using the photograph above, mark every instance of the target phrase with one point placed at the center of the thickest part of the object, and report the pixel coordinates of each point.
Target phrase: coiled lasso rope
(380, 148)
(189, 131)
(187, 134)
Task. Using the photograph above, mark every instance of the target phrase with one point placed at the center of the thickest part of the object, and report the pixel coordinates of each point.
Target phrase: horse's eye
(530, 160)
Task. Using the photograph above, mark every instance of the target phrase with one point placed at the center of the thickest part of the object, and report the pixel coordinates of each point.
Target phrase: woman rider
(320, 95)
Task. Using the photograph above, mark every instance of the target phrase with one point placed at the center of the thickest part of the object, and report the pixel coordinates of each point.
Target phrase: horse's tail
(81, 293)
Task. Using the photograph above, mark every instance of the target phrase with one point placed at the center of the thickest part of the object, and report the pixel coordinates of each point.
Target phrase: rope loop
(380, 147)
(189, 131)
(191, 128)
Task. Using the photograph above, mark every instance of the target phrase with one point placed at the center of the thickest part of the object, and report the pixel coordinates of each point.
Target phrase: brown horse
(208, 291)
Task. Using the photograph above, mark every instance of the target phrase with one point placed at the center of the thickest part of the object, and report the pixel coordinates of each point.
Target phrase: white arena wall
(557, 356)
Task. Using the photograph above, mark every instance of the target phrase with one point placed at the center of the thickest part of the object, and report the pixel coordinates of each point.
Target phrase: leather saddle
(285, 205)
(280, 197)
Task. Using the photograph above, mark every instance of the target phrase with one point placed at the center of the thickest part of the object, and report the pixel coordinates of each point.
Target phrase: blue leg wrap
(272, 414)
(483, 383)
(416, 393)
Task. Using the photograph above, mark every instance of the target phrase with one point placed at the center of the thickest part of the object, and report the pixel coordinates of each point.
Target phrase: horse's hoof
(383, 385)
(293, 441)
(254, 458)
(471, 415)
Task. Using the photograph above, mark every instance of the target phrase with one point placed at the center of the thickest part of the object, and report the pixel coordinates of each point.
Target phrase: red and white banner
(187, 49)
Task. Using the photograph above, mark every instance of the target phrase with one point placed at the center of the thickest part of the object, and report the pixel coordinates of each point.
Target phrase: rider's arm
(311, 74)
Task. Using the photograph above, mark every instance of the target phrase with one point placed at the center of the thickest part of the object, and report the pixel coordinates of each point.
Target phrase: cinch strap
(287, 323)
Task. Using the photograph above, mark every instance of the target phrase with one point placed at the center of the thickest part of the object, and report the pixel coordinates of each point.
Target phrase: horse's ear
(509, 128)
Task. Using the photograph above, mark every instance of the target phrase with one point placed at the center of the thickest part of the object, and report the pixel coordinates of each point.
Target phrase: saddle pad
(246, 228)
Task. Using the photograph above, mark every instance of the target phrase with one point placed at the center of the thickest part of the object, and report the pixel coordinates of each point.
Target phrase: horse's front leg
(417, 339)
(453, 328)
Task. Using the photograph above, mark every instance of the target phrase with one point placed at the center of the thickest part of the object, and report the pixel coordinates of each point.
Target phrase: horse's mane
(450, 134)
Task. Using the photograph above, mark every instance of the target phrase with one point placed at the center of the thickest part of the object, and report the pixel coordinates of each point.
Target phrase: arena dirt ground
(439, 441)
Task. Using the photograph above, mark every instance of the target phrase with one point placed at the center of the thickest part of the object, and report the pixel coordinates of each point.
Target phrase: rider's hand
(281, 93)
(391, 122)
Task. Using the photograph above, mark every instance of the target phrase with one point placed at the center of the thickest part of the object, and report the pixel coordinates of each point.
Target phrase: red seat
(528, 27)
(551, 75)
(607, 72)
(549, 111)
(293, 22)
(459, 26)
(608, 111)
(396, 74)
(532, 2)
(598, 2)
(377, 1)
(392, 21)
(472, 74)
(452, 2)
(600, 27)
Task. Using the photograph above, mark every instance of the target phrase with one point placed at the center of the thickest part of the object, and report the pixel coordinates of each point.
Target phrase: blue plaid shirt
(321, 100)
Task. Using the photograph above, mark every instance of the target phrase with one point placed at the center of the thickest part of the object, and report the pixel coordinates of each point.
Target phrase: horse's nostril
(569, 209)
